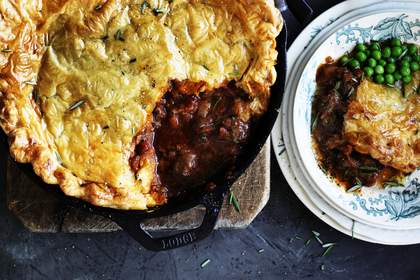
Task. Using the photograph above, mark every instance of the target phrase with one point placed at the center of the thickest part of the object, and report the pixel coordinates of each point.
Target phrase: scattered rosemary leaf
(298, 237)
(369, 168)
(322, 267)
(205, 67)
(326, 245)
(76, 105)
(58, 157)
(315, 233)
(32, 83)
(206, 262)
(234, 201)
(119, 36)
(314, 122)
(319, 240)
(6, 50)
(158, 11)
(354, 188)
(144, 6)
(98, 7)
(327, 251)
(133, 60)
(337, 85)
(352, 230)
(133, 131)
(260, 251)
(391, 184)
(351, 92)
(307, 242)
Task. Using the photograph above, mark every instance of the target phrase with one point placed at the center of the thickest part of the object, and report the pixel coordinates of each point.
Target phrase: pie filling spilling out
(126, 104)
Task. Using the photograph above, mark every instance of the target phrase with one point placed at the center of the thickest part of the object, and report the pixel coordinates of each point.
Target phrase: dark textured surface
(233, 254)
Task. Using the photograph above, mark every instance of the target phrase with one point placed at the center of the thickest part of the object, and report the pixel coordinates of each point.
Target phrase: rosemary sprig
(366, 168)
(158, 11)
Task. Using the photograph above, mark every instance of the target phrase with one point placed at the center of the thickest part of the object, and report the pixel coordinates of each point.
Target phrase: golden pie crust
(80, 79)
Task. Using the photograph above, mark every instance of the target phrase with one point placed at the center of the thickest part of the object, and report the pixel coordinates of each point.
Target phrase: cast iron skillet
(130, 221)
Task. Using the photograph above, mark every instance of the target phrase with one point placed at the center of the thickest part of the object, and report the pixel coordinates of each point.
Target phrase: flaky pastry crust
(80, 79)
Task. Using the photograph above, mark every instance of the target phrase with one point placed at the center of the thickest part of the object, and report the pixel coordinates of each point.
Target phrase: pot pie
(366, 123)
(126, 103)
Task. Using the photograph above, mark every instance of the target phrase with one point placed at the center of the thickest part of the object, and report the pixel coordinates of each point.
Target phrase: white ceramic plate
(333, 33)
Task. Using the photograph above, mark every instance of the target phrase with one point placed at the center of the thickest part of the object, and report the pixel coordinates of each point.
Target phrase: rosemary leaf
(327, 245)
(327, 251)
(368, 168)
(119, 36)
(354, 188)
(76, 105)
(314, 122)
(352, 230)
(58, 157)
(234, 201)
(144, 6)
(206, 262)
(6, 50)
(260, 251)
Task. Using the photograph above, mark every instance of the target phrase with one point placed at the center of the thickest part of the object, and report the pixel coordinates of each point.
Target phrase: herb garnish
(206, 262)
(391, 184)
(98, 7)
(234, 201)
(119, 36)
(328, 250)
(352, 229)
(358, 185)
(260, 251)
(205, 67)
(6, 50)
(76, 105)
(314, 122)
(158, 11)
(144, 6)
(57, 155)
(133, 60)
(368, 168)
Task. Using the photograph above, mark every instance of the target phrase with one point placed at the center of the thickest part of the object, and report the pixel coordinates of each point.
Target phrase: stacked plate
(387, 216)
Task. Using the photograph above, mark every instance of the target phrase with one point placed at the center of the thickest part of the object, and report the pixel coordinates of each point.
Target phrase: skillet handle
(301, 10)
(213, 203)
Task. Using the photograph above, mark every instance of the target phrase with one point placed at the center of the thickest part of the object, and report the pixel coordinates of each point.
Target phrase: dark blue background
(233, 253)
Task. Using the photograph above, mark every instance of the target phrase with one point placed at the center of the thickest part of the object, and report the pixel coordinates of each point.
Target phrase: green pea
(344, 60)
(382, 62)
(407, 79)
(369, 71)
(379, 69)
(389, 79)
(376, 55)
(414, 66)
(395, 42)
(375, 46)
(396, 51)
(361, 47)
(397, 76)
(405, 71)
(390, 68)
(379, 79)
(371, 62)
(361, 56)
(386, 52)
(405, 64)
(354, 64)
(391, 60)
(412, 49)
(416, 58)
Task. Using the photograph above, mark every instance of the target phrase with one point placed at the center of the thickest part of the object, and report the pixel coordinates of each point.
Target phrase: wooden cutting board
(40, 211)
